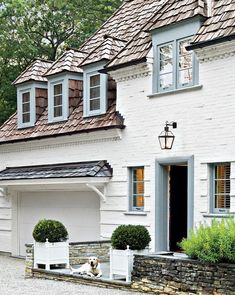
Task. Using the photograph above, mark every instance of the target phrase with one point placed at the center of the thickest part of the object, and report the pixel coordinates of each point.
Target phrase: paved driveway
(12, 282)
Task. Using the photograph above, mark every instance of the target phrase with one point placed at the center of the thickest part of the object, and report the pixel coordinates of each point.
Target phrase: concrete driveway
(12, 282)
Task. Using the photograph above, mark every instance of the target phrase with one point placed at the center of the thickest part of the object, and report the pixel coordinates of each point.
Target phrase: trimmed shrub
(214, 243)
(52, 230)
(136, 236)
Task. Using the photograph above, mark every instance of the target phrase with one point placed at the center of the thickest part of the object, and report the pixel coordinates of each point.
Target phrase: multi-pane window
(175, 65)
(58, 100)
(221, 188)
(137, 189)
(94, 99)
(26, 107)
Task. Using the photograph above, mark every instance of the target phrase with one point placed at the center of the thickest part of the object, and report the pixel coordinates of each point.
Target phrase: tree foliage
(42, 28)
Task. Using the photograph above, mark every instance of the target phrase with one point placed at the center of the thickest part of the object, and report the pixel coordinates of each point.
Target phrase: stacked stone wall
(165, 275)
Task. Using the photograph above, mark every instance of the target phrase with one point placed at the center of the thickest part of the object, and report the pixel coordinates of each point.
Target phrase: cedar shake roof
(34, 72)
(105, 50)
(220, 25)
(70, 170)
(169, 12)
(69, 61)
(76, 123)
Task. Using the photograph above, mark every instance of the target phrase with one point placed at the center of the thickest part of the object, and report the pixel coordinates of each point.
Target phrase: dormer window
(26, 106)
(95, 93)
(58, 99)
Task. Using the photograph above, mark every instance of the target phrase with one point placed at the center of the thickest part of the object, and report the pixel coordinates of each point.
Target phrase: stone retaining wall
(78, 253)
(171, 275)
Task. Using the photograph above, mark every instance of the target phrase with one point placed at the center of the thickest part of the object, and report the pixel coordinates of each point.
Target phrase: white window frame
(131, 194)
(212, 189)
(88, 73)
(65, 98)
(20, 91)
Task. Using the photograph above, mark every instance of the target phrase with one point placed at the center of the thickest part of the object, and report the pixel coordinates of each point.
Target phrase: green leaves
(52, 230)
(214, 243)
(135, 236)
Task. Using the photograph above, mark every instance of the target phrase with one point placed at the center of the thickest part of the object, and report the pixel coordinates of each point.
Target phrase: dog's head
(93, 261)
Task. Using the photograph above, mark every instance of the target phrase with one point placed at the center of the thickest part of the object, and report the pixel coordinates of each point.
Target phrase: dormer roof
(34, 72)
(219, 26)
(106, 50)
(69, 61)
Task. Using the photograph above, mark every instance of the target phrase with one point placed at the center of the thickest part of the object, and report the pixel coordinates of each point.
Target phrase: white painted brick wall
(206, 124)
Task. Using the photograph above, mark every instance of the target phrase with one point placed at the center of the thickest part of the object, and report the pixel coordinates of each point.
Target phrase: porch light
(166, 137)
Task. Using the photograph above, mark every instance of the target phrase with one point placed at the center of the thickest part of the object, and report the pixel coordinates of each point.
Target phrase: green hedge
(214, 243)
(52, 230)
(136, 236)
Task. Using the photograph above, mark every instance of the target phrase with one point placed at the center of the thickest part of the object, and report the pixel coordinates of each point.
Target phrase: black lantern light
(166, 138)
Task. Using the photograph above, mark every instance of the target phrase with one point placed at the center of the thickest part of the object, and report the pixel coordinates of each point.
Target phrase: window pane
(182, 46)
(166, 81)
(26, 118)
(95, 80)
(58, 111)
(58, 100)
(95, 92)
(185, 77)
(166, 66)
(138, 188)
(222, 186)
(166, 52)
(25, 97)
(94, 104)
(26, 107)
(57, 89)
(138, 174)
(138, 201)
(185, 61)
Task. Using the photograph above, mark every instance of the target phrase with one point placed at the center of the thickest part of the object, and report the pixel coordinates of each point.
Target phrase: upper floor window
(25, 107)
(58, 100)
(94, 97)
(221, 188)
(137, 189)
(176, 67)
(95, 91)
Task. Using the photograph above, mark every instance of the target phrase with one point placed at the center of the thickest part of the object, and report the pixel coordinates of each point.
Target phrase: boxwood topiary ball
(136, 236)
(52, 230)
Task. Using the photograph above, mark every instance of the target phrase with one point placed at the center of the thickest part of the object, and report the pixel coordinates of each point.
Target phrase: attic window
(94, 99)
(26, 107)
(58, 100)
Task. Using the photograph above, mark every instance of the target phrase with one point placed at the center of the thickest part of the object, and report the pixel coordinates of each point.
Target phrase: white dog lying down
(90, 268)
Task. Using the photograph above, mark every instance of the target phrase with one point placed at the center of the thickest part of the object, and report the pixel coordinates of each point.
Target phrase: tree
(37, 28)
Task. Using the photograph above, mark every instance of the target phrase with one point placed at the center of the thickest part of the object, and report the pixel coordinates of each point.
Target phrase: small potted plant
(126, 241)
(51, 243)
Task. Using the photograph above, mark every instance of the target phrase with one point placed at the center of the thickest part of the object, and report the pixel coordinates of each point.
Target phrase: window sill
(175, 91)
(218, 215)
(135, 213)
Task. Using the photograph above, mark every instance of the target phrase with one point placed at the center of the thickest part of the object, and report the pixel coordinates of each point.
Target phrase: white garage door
(78, 211)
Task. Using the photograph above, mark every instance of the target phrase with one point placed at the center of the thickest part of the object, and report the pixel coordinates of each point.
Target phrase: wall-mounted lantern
(166, 137)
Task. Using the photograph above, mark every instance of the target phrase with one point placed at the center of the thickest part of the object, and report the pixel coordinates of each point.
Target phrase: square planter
(121, 262)
(51, 253)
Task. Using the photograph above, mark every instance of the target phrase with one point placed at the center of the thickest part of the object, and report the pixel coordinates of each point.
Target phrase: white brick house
(117, 130)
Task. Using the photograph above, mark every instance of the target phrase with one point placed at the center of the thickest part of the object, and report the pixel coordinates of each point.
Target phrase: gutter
(218, 40)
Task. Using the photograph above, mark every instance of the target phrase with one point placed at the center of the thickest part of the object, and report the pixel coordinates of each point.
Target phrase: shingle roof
(105, 50)
(221, 24)
(169, 12)
(76, 123)
(69, 61)
(34, 72)
(70, 170)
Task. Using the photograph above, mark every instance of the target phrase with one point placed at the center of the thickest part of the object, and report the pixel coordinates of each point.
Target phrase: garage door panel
(80, 213)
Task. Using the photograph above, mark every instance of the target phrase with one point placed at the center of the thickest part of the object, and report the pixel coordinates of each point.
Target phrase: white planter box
(121, 262)
(51, 253)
